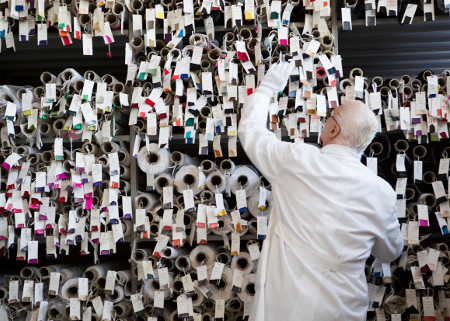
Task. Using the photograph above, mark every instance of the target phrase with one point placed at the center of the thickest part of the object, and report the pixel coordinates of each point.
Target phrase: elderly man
(330, 213)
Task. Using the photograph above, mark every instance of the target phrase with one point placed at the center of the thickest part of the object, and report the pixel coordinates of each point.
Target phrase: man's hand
(276, 78)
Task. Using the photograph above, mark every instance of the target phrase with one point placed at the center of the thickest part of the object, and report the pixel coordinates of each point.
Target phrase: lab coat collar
(340, 150)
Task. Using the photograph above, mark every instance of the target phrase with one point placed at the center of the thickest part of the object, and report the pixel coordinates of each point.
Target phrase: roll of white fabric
(69, 289)
(46, 270)
(70, 76)
(242, 262)
(181, 159)
(28, 272)
(248, 288)
(72, 272)
(183, 263)
(215, 182)
(117, 295)
(252, 225)
(152, 285)
(223, 256)
(203, 255)
(157, 161)
(253, 203)
(244, 177)
(140, 254)
(172, 253)
(222, 289)
(227, 166)
(187, 178)
(123, 308)
(94, 272)
(224, 225)
(124, 276)
(146, 201)
(57, 311)
(163, 180)
(208, 166)
(199, 297)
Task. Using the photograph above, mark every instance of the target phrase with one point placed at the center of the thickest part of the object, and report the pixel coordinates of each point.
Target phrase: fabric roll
(187, 178)
(146, 201)
(242, 262)
(224, 225)
(244, 177)
(252, 226)
(183, 263)
(69, 76)
(140, 254)
(123, 308)
(28, 272)
(182, 159)
(47, 78)
(152, 285)
(157, 161)
(202, 255)
(117, 295)
(172, 253)
(57, 311)
(208, 166)
(94, 272)
(222, 288)
(215, 182)
(253, 202)
(72, 272)
(45, 271)
(223, 255)
(69, 289)
(124, 157)
(235, 304)
(124, 276)
(248, 288)
(227, 166)
(163, 180)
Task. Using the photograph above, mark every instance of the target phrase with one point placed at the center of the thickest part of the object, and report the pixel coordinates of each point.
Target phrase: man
(330, 213)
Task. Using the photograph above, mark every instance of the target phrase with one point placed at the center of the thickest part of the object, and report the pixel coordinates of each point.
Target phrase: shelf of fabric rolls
(167, 267)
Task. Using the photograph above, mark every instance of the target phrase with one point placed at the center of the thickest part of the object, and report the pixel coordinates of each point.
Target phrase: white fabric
(330, 214)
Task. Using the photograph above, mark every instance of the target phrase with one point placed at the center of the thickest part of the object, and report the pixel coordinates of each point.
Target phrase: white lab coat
(330, 213)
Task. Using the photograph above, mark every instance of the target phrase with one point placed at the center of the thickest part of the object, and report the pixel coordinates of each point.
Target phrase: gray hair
(358, 125)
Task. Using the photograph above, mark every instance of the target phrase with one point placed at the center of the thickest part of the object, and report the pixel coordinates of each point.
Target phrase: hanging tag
(53, 288)
(418, 165)
(236, 219)
(254, 251)
(74, 309)
(188, 198)
(235, 243)
(163, 276)
(219, 312)
(400, 165)
(262, 227)
(443, 169)
(33, 252)
(423, 215)
(372, 164)
(43, 308)
(83, 289)
(179, 221)
(168, 196)
(439, 192)
(413, 233)
(217, 272)
(188, 285)
(97, 303)
(87, 314)
(220, 205)
(110, 280)
(212, 219)
(107, 311)
(138, 306)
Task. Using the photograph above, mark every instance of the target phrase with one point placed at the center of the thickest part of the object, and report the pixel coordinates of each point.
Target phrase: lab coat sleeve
(389, 247)
(261, 145)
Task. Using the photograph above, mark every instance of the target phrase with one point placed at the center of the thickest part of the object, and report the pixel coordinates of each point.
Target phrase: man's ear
(334, 131)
